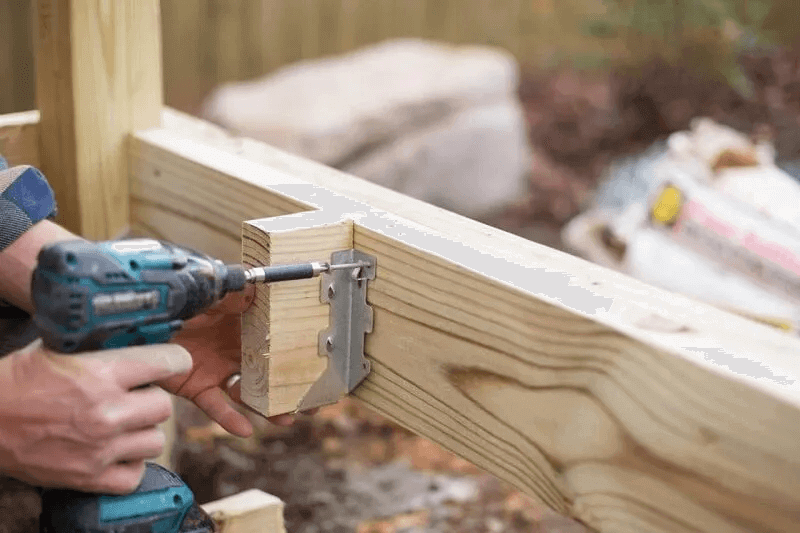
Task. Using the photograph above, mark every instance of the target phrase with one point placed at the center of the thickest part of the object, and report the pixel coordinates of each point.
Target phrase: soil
(349, 470)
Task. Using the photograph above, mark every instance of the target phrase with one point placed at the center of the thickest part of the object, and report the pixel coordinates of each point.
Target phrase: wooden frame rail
(628, 407)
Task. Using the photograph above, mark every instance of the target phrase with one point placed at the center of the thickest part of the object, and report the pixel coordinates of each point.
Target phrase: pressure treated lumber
(98, 78)
(19, 138)
(252, 511)
(625, 406)
(280, 360)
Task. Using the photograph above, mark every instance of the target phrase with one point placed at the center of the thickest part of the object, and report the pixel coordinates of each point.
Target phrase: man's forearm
(18, 260)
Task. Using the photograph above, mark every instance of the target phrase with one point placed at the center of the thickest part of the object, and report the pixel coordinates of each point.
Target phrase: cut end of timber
(280, 350)
(247, 512)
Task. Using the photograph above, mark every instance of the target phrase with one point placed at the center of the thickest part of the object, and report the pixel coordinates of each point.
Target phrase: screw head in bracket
(329, 344)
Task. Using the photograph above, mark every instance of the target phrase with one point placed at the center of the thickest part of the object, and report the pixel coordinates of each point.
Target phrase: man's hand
(80, 421)
(214, 341)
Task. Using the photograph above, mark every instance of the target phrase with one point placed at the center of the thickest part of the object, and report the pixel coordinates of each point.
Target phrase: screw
(357, 276)
(329, 344)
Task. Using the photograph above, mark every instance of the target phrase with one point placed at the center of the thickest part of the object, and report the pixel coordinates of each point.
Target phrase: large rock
(439, 122)
(472, 162)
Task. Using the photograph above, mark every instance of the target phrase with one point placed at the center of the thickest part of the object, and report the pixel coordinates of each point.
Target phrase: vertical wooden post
(98, 78)
(16, 57)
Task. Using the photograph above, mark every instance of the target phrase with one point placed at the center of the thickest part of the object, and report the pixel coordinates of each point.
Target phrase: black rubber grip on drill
(288, 272)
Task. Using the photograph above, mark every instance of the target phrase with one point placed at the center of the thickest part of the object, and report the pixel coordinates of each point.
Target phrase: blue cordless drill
(91, 296)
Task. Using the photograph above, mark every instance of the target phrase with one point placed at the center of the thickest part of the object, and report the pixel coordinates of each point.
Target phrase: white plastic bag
(679, 217)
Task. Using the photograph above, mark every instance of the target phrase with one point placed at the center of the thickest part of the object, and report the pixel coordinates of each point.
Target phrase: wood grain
(280, 358)
(98, 78)
(19, 138)
(627, 407)
(252, 511)
(16, 57)
(582, 415)
(175, 196)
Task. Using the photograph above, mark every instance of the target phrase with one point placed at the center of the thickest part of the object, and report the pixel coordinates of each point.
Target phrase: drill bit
(269, 274)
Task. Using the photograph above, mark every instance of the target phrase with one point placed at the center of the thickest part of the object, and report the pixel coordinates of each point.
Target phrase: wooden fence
(207, 42)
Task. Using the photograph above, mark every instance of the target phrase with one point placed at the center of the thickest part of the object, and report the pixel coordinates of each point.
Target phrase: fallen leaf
(333, 446)
(520, 505)
(395, 523)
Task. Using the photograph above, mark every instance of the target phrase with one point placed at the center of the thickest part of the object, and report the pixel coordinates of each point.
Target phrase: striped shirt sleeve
(25, 199)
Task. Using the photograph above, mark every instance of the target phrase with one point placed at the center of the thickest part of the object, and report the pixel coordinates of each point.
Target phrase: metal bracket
(350, 320)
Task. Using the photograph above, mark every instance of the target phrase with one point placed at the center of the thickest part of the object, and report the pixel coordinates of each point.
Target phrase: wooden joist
(625, 406)
(19, 138)
(98, 78)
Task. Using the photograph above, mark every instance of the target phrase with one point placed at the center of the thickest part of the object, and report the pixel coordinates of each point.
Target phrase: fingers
(139, 409)
(235, 391)
(282, 420)
(213, 403)
(139, 445)
(143, 365)
(235, 394)
(120, 478)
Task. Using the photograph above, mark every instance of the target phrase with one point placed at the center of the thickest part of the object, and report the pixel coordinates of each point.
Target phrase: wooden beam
(252, 511)
(19, 138)
(16, 57)
(627, 407)
(172, 196)
(98, 78)
(279, 351)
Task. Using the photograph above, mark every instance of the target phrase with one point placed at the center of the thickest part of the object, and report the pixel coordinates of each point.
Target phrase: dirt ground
(349, 470)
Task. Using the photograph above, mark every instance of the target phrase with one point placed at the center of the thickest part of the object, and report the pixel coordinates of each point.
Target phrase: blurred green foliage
(208, 42)
(704, 35)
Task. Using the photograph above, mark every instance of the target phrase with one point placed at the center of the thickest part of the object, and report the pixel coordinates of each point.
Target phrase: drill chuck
(235, 278)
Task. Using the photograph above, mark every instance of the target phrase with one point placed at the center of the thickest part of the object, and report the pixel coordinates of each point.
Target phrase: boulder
(472, 162)
(439, 122)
